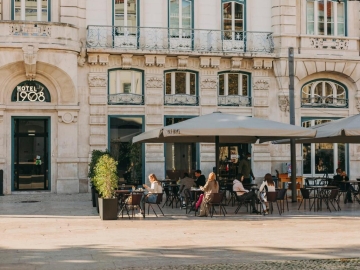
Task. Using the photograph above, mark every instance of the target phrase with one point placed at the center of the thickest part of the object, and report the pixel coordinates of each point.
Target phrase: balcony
(169, 40)
(125, 99)
(181, 99)
(324, 102)
(234, 100)
(45, 34)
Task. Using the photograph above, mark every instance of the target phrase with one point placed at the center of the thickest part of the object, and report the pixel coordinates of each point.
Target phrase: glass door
(30, 144)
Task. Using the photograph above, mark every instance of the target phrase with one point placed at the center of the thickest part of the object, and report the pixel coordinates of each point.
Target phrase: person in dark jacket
(200, 178)
(339, 179)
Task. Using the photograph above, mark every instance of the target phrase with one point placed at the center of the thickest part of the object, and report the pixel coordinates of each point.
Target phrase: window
(125, 17)
(234, 89)
(324, 93)
(126, 87)
(180, 18)
(31, 10)
(325, 17)
(180, 83)
(129, 156)
(233, 19)
(322, 158)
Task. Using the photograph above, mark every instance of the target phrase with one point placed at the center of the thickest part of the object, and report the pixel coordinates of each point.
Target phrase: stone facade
(73, 53)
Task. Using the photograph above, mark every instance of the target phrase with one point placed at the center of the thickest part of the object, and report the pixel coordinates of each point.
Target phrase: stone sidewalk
(50, 231)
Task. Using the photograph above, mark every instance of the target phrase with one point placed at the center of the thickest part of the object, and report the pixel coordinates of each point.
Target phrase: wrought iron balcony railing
(181, 99)
(125, 99)
(325, 101)
(178, 39)
(234, 100)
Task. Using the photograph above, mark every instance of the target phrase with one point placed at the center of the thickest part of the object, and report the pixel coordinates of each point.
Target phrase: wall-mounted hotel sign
(32, 91)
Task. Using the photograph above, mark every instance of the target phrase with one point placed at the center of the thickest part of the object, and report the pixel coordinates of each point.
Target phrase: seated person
(211, 186)
(267, 186)
(200, 178)
(148, 196)
(185, 183)
(341, 176)
(244, 193)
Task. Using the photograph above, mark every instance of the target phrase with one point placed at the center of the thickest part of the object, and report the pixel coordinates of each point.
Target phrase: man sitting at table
(338, 178)
(244, 193)
(200, 178)
(185, 183)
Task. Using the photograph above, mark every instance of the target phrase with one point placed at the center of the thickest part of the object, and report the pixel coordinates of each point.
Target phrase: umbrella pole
(217, 153)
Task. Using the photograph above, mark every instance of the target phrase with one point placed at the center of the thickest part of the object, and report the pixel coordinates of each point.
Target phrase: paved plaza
(52, 231)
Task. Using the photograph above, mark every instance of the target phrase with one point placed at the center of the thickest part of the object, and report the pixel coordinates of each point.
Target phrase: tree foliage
(105, 178)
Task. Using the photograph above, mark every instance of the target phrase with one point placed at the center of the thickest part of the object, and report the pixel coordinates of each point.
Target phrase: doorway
(30, 156)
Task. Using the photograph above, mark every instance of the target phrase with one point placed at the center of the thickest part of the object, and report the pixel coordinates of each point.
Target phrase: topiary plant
(95, 155)
(105, 178)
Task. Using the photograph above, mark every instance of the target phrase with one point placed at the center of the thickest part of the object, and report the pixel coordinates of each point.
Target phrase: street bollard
(1, 182)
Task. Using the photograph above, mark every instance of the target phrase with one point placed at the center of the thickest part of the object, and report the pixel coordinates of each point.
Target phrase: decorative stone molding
(209, 84)
(204, 62)
(160, 60)
(92, 59)
(67, 117)
(126, 61)
(30, 29)
(267, 64)
(97, 80)
(329, 43)
(104, 59)
(149, 60)
(182, 62)
(82, 55)
(154, 82)
(215, 62)
(236, 63)
(357, 98)
(257, 64)
(284, 102)
(261, 84)
(30, 58)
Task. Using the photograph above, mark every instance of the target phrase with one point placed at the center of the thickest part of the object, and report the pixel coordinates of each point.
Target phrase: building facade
(84, 75)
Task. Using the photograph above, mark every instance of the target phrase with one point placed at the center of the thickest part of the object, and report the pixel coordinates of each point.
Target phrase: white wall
(98, 13)
(259, 15)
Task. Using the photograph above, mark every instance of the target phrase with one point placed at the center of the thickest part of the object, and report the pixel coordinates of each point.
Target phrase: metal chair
(216, 200)
(189, 201)
(271, 198)
(157, 202)
(305, 193)
(133, 200)
(282, 197)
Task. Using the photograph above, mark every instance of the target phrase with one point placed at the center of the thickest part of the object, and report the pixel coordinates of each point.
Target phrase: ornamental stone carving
(182, 62)
(149, 60)
(357, 98)
(97, 80)
(67, 117)
(30, 58)
(284, 103)
(82, 55)
(236, 63)
(101, 59)
(160, 60)
(154, 82)
(329, 43)
(204, 62)
(209, 84)
(126, 61)
(215, 62)
(261, 84)
(258, 64)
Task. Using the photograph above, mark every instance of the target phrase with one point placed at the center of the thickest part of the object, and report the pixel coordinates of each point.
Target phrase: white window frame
(180, 13)
(233, 31)
(173, 80)
(240, 84)
(119, 83)
(38, 8)
(126, 13)
(335, 153)
(323, 90)
(316, 17)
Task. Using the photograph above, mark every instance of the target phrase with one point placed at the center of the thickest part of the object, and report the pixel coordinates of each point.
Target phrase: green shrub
(95, 155)
(105, 178)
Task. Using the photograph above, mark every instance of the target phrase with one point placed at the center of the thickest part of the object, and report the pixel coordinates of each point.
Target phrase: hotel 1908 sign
(32, 91)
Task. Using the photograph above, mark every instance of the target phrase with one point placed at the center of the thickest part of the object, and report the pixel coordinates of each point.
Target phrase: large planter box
(93, 198)
(108, 209)
(97, 201)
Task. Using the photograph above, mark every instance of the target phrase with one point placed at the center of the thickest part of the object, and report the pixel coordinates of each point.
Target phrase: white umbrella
(223, 128)
(345, 130)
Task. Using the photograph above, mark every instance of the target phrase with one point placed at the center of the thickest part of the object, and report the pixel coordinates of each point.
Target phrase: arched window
(326, 17)
(30, 91)
(35, 10)
(233, 19)
(181, 88)
(234, 89)
(126, 87)
(324, 93)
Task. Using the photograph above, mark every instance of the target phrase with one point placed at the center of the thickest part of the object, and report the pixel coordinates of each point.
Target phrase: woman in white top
(152, 191)
(267, 186)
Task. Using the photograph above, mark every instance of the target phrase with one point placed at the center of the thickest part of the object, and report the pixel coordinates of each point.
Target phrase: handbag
(199, 201)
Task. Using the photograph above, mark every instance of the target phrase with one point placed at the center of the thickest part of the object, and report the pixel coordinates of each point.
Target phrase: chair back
(333, 194)
(135, 198)
(305, 193)
(271, 196)
(281, 194)
(216, 198)
(187, 194)
(159, 198)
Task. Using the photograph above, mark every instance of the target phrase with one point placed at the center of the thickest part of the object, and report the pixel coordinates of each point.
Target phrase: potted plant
(95, 155)
(106, 182)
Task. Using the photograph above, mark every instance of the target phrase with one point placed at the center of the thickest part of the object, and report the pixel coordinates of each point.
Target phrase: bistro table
(321, 193)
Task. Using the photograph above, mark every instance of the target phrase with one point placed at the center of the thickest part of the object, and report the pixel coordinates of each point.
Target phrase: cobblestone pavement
(349, 264)
(53, 231)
